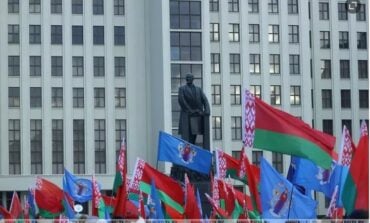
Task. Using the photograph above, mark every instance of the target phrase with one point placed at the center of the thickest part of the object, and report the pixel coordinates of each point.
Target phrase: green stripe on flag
(349, 194)
(47, 214)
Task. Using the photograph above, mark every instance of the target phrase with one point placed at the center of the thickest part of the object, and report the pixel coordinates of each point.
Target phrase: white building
(76, 75)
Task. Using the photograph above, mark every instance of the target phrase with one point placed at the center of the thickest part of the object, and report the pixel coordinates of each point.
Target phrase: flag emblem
(324, 175)
(186, 153)
(279, 203)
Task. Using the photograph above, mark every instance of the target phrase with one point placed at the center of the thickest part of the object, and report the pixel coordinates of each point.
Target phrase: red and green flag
(226, 166)
(269, 128)
(191, 206)
(98, 205)
(119, 185)
(16, 206)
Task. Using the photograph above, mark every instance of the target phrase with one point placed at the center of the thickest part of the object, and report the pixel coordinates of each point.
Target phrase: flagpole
(290, 200)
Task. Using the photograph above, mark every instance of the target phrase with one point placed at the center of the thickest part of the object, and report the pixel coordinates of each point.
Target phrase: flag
(170, 191)
(31, 203)
(154, 204)
(222, 213)
(48, 197)
(199, 204)
(280, 199)
(268, 128)
(334, 211)
(181, 152)
(141, 207)
(15, 206)
(68, 210)
(110, 203)
(5, 213)
(79, 189)
(355, 194)
(192, 210)
(120, 182)
(226, 165)
(98, 206)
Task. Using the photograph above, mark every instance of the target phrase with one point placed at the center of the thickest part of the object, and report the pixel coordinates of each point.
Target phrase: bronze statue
(194, 107)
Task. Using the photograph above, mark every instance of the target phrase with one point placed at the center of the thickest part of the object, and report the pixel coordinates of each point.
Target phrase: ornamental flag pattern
(138, 174)
(346, 148)
(220, 164)
(97, 193)
(249, 119)
(122, 159)
(363, 129)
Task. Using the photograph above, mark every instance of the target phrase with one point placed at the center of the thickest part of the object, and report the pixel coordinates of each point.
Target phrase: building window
(236, 127)
(278, 162)
(294, 67)
(342, 11)
(235, 93)
(178, 74)
(348, 124)
(273, 33)
(343, 40)
(35, 66)
(13, 33)
(78, 146)
(213, 5)
(121, 131)
(345, 98)
(57, 97)
(78, 97)
(13, 6)
(56, 66)
(233, 5)
(327, 126)
(215, 62)
(99, 97)
(13, 66)
(254, 33)
(256, 157)
(323, 10)
(36, 146)
(35, 34)
(325, 69)
(120, 97)
(77, 35)
(293, 33)
(78, 66)
(98, 35)
(14, 146)
(217, 127)
(292, 6)
(253, 6)
(100, 146)
(57, 146)
(56, 6)
(35, 6)
(363, 98)
(361, 13)
(186, 46)
(119, 35)
(273, 6)
(119, 66)
(98, 7)
(295, 95)
(344, 69)
(13, 97)
(77, 6)
(234, 63)
(56, 34)
(215, 32)
(362, 69)
(216, 94)
(119, 7)
(361, 40)
(326, 98)
(35, 97)
(256, 91)
(99, 67)
(185, 14)
(233, 32)
(254, 64)
(274, 64)
(275, 94)
(324, 39)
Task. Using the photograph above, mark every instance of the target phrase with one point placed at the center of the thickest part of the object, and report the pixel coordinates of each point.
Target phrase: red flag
(120, 180)
(48, 196)
(191, 207)
(141, 206)
(225, 196)
(216, 208)
(334, 212)
(15, 207)
(5, 213)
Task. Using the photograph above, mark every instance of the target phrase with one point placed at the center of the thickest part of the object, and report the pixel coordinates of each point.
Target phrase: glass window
(325, 69)
(295, 95)
(213, 5)
(278, 161)
(100, 146)
(57, 97)
(13, 6)
(235, 93)
(326, 97)
(57, 66)
(178, 74)
(216, 94)
(233, 32)
(234, 63)
(121, 132)
(253, 6)
(274, 64)
(119, 7)
(99, 97)
(185, 14)
(57, 146)
(324, 39)
(323, 10)
(343, 40)
(256, 91)
(294, 67)
(293, 33)
(13, 97)
(14, 136)
(254, 33)
(36, 145)
(119, 35)
(217, 127)
(35, 6)
(215, 63)
(236, 127)
(77, 6)
(327, 126)
(119, 66)
(13, 66)
(78, 66)
(362, 69)
(342, 11)
(56, 6)
(254, 64)
(215, 32)
(273, 33)
(273, 6)
(35, 97)
(256, 157)
(186, 46)
(363, 98)
(99, 67)
(13, 33)
(35, 34)
(344, 69)
(98, 7)
(98, 37)
(78, 146)
(56, 34)
(361, 13)
(275, 94)
(120, 97)
(35, 66)
(345, 98)
(361, 40)
(233, 5)
(78, 97)
(77, 35)
(292, 6)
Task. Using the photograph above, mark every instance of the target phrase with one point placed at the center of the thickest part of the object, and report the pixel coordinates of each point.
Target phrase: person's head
(189, 78)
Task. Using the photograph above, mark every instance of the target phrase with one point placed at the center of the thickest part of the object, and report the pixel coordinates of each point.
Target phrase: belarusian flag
(119, 185)
(191, 207)
(226, 165)
(170, 191)
(98, 206)
(268, 128)
(356, 188)
(49, 198)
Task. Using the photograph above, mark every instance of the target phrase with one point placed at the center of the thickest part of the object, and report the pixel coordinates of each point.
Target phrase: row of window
(343, 40)
(56, 34)
(35, 64)
(14, 98)
(342, 11)
(57, 137)
(56, 6)
(345, 95)
(277, 159)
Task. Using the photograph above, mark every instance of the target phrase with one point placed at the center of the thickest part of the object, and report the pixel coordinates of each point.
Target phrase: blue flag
(199, 203)
(313, 177)
(280, 199)
(180, 152)
(154, 204)
(31, 203)
(68, 211)
(79, 189)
